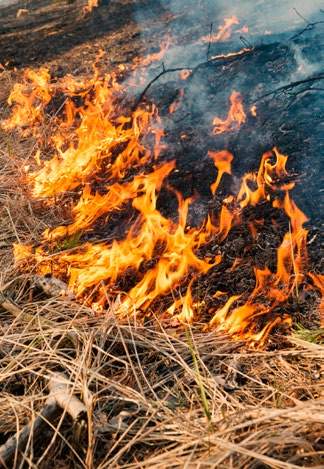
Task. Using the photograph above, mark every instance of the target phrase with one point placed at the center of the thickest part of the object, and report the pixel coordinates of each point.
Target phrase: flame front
(101, 157)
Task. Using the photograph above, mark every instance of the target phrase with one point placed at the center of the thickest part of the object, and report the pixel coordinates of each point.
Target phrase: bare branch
(289, 86)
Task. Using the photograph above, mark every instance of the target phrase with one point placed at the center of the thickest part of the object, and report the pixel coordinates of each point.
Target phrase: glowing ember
(185, 74)
(253, 110)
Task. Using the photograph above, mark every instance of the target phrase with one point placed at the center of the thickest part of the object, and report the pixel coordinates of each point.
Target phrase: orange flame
(91, 4)
(164, 46)
(236, 115)
(253, 110)
(185, 74)
(222, 161)
(224, 32)
(175, 105)
(30, 97)
(94, 143)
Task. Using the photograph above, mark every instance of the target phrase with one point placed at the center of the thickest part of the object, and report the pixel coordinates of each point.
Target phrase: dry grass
(138, 380)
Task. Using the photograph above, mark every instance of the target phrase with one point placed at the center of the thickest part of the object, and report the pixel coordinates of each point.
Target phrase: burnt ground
(62, 38)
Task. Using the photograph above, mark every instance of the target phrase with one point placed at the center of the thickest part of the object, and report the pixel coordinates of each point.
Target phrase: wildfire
(100, 156)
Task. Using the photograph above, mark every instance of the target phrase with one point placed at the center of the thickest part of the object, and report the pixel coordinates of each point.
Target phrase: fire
(157, 56)
(175, 105)
(224, 32)
(245, 50)
(222, 161)
(253, 111)
(30, 98)
(236, 115)
(185, 74)
(91, 4)
(153, 260)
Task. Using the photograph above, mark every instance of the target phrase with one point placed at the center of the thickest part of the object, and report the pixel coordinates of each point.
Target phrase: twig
(210, 40)
(309, 26)
(301, 16)
(226, 58)
(246, 43)
(289, 87)
(59, 387)
(19, 441)
(164, 71)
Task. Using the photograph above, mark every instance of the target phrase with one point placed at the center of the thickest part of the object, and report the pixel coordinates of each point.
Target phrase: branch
(310, 26)
(164, 71)
(224, 58)
(289, 87)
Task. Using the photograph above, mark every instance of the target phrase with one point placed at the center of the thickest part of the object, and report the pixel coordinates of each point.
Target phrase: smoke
(260, 15)
(304, 67)
(187, 22)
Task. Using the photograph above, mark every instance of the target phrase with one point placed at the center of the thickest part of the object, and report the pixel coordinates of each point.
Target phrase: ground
(158, 393)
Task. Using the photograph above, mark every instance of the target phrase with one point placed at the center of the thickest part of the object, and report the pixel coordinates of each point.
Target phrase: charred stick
(246, 43)
(18, 442)
(310, 26)
(210, 40)
(224, 58)
(60, 397)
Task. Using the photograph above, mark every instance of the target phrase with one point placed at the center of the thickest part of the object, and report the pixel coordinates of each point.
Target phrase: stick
(225, 58)
(308, 27)
(59, 387)
(210, 39)
(17, 312)
(60, 397)
(164, 70)
(19, 441)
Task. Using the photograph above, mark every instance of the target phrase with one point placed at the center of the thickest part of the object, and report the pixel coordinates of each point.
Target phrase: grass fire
(161, 295)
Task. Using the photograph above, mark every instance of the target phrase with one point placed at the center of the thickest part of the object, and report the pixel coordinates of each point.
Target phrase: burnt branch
(309, 27)
(290, 86)
(219, 58)
(150, 83)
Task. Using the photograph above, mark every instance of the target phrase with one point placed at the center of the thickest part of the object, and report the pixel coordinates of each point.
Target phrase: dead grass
(138, 380)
